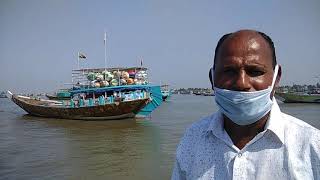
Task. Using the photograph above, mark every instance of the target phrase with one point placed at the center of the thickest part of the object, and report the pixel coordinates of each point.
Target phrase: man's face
(244, 63)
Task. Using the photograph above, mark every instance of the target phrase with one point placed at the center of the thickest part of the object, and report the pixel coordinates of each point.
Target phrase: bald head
(245, 41)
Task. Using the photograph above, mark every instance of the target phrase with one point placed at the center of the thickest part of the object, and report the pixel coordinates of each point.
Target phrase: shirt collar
(216, 125)
(274, 124)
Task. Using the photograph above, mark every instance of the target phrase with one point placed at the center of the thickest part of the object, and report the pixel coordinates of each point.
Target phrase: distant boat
(204, 93)
(3, 95)
(165, 92)
(298, 98)
(208, 94)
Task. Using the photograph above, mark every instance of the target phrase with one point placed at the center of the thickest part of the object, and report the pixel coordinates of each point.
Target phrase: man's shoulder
(302, 140)
(300, 129)
(193, 137)
(298, 124)
(195, 132)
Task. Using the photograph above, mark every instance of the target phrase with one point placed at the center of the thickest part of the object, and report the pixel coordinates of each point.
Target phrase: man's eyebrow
(254, 60)
(233, 65)
(255, 65)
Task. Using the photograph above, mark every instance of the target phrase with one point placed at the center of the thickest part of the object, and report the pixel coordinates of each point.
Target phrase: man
(249, 137)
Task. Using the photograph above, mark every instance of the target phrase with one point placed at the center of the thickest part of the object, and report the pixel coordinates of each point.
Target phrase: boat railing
(102, 100)
(109, 77)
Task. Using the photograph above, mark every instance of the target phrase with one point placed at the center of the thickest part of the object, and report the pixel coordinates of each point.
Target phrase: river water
(41, 148)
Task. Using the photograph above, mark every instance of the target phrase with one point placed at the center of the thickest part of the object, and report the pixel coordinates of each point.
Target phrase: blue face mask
(244, 108)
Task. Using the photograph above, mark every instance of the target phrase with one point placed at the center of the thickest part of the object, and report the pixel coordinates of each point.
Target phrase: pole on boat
(118, 78)
(78, 59)
(105, 50)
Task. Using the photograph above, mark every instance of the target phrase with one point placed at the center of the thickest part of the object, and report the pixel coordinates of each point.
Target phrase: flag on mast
(141, 62)
(82, 56)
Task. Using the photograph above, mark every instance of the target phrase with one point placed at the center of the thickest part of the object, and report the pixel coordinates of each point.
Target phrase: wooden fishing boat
(64, 110)
(98, 94)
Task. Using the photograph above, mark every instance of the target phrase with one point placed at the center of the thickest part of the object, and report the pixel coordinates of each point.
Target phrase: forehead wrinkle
(250, 48)
(230, 60)
(249, 61)
(240, 46)
(253, 59)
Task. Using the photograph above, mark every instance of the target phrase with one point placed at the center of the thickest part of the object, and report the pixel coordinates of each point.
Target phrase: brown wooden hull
(127, 109)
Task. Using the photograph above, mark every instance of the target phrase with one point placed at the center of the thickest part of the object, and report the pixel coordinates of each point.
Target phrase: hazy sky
(39, 39)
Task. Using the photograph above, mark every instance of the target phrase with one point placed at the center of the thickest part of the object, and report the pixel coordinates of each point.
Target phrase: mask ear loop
(275, 74)
(212, 76)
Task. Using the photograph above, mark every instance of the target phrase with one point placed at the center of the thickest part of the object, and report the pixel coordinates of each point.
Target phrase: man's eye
(229, 70)
(255, 72)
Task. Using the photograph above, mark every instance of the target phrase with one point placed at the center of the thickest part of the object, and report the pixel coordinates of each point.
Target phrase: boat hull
(297, 98)
(121, 110)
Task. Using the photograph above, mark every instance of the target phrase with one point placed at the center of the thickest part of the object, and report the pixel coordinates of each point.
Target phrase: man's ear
(277, 81)
(278, 76)
(211, 77)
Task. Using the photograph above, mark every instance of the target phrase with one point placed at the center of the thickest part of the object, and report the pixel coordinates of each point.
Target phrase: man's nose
(242, 82)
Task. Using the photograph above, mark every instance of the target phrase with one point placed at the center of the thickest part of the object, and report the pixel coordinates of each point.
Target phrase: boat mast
(105, 50)
(78, 60)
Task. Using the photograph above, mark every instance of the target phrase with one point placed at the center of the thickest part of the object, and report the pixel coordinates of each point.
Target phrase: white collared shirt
(288, 148)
